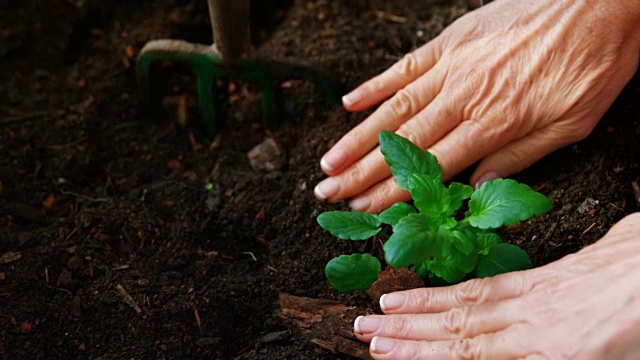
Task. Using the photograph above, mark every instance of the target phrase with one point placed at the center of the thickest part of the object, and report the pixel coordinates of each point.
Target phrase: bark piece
(326, 323)
(391, 280)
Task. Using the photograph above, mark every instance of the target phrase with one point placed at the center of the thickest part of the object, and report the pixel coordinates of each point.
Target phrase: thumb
(521, 153)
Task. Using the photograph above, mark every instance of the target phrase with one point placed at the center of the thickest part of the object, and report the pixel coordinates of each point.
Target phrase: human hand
(584, 306)
(507, 83)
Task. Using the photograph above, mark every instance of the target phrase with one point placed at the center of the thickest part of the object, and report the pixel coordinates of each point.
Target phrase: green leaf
(421, 269)
(458, 193)
(352, 272)
(502, 258)
(396, 212)
(447, 270)
(405, 158)
(429, 196)
(454, 266)
(464, 241)
(505, 202)
(414, 241)
(486, 241)
(350, 225)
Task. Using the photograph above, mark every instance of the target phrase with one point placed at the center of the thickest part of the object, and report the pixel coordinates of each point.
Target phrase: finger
(379, 197)
(469, 293)
(406, 103)
(521, 153)
(433, 122)
(495, 346)
(403, 72)
(469, 142)
(456, 323)
(356, 179)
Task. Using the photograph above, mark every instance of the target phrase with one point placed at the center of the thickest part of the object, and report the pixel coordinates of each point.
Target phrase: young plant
(430, 237)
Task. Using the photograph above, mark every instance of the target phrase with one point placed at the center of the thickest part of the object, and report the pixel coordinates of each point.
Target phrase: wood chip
(326, 323)
(636, 191)
(127, 299)
(10, 257)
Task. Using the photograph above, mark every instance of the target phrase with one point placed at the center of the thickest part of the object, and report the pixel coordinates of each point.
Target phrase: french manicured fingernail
(351, 98)
(484, 178)
(360, 204)
(366, 324)
(332, 160)
(382, 345)
(392, 301)
(327, 188)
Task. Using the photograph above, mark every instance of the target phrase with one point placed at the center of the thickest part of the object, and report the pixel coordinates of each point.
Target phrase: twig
(84, 197)
(128, 299)
(249, 253)
(12, 120)
(198, 321)
(75, 230)
(636, 191)
(589, 228)
(391, 17)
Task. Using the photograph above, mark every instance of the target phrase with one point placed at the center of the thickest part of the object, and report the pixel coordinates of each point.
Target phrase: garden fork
(228, 56)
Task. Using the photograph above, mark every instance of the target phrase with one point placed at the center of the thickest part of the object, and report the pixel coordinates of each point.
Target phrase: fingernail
(360, 204)
(392, 301)
(351, 98)
(327, 188)
(366, 324)
(332, 160)
(382, 345)
(484, 178)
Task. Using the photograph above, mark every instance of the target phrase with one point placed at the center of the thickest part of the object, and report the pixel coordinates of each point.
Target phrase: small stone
(276, 336)
(267, 156)
(587, 205)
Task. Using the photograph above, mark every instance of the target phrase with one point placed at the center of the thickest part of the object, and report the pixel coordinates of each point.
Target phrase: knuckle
(423, 301)
(480, 78)
(519, 158)
(465, 349)
(402, 104)
(408, 66)
(474, 131)
(378, 202)
(413, 133)
(399, 327)
(573, 132)
(357, 174)
(471, 292)
(581, 132)
(455, 321)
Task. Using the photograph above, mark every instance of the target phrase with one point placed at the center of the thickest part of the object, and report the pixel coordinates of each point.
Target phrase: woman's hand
(507, 83)
(584, 306)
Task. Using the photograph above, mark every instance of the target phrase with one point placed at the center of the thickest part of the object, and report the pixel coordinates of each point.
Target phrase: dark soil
(99, 199)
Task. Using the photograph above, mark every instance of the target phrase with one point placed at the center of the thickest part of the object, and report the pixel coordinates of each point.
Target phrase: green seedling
(432, 237)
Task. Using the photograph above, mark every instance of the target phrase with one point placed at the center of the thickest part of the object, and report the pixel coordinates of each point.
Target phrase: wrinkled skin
(584, 306)
(506, 84)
